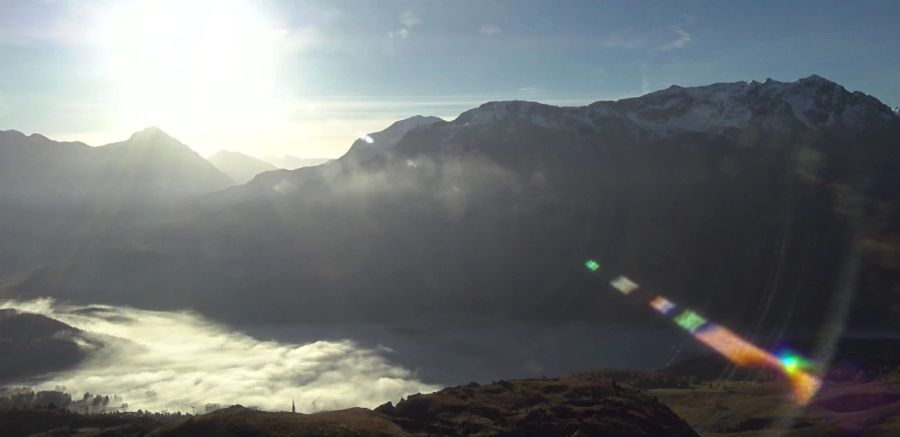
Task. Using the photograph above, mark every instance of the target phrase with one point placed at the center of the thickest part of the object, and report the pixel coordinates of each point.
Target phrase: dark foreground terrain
(589, 404)
(766, 409)
(582, 406)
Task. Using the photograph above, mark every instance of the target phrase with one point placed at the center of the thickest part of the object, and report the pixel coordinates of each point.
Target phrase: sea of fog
(166, 360)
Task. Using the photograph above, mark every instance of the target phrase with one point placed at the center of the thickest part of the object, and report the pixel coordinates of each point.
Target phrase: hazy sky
(307, 77)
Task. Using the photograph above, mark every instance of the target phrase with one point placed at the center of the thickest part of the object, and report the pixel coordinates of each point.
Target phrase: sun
(194, 66)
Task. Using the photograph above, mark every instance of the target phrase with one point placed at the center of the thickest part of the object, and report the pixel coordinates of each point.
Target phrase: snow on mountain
(389, 137)
(370, 145)
(813, 102)
(537, 114)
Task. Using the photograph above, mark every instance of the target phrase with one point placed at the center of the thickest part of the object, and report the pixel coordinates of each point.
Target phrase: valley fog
(173, 361)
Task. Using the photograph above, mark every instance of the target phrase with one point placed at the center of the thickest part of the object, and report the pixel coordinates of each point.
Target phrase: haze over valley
(616, 239)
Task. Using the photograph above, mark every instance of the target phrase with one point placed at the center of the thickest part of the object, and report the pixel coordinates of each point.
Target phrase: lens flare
(690, 320)
(592, 265)
(793, 363)
(623, 284)
(804, 384)
(663, 305)
(790, 364)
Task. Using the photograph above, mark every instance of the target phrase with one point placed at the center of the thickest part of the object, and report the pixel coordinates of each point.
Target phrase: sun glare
(191, 67)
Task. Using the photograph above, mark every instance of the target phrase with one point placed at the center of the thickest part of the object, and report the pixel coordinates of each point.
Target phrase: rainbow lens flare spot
(793, 363)
(690, 320)
(663, 305)
(623, 284)
(790, 364)
(795, 368)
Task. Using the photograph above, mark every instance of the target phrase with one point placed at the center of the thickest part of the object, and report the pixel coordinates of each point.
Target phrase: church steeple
(293, 405)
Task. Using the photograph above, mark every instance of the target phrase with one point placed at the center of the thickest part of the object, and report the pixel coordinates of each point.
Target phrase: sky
(306, 78)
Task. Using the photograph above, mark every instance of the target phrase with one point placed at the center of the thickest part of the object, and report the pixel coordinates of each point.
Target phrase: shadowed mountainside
(59, 198)
(149, 167)
(749, 201)
(31, 344)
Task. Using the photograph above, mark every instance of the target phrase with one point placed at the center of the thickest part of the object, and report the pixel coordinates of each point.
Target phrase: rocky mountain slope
(750, 201)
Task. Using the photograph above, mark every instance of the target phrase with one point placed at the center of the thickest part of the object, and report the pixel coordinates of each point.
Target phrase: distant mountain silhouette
(240, 167)
(59, 196)
(148, 167)
(748, 200)
(290, 162)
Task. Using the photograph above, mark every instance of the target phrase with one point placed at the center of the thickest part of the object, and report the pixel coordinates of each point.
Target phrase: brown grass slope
(240, 421)
(574, 406)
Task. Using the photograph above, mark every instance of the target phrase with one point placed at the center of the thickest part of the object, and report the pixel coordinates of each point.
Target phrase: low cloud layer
(174, 360)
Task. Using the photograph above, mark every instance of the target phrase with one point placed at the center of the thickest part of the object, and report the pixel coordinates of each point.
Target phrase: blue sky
(307, 77)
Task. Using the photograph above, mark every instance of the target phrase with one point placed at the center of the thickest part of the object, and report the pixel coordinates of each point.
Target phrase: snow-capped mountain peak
(388, 138)
(535, 113)
(812, 102)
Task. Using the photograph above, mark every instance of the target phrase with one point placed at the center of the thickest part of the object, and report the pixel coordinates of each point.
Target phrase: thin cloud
(531, 90)
(408, 20)
(645, 83)
(681, 41)
(402, 33)
(620, 42)
(489, 29)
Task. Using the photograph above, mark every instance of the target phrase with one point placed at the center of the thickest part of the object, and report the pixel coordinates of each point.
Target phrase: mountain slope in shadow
(747, 200)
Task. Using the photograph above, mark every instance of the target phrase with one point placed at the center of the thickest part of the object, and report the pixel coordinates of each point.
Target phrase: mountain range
(59, 196)
(771, 205)
(238, 166)
(290, 162)
(241, 167)
(148, 167)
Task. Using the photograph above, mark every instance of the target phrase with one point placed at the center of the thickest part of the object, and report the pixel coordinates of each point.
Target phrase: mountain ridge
(238, 166)
(58, 196)
(439, 220)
